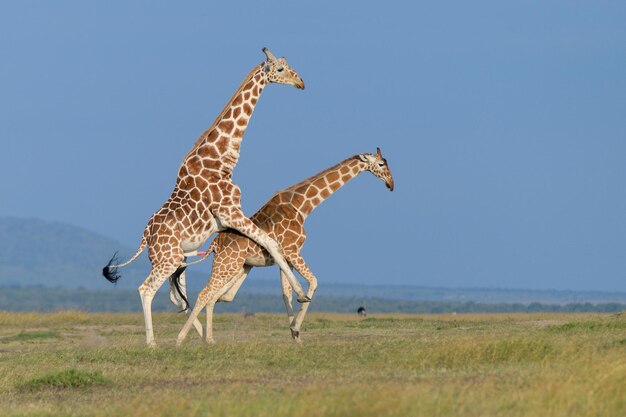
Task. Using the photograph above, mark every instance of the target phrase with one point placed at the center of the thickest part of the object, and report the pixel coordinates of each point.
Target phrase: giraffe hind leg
(147, 290)
(233, 288)
(228, 265)
(207, 298)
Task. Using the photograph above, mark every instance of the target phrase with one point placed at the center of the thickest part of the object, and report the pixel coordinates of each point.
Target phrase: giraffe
(282, 217)
(205, 199)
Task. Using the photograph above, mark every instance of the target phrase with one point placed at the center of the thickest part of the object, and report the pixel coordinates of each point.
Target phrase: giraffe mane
(319, 174)
(220, 116)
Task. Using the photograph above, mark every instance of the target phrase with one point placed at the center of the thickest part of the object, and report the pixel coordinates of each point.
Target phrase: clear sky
(504, 124)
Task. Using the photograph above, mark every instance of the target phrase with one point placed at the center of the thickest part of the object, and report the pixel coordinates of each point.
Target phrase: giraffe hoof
(295, 334)
(305, 299)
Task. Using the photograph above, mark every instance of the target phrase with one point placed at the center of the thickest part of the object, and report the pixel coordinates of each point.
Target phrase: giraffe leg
(200, 303)
(287, 296)
(295, 258)
(237, 220)
(235, 285)
(147, 290)
(227, 264)
(207, 297)
(209, 321)
(178, 301)
(297, 322)
(210, 305)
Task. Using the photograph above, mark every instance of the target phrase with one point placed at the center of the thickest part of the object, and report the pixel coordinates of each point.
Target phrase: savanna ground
(84, 364)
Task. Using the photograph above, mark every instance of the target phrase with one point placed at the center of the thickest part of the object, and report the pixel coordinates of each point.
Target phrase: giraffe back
(280, 220)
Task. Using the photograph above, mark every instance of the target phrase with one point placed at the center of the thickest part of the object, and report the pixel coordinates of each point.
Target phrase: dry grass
(391, 365)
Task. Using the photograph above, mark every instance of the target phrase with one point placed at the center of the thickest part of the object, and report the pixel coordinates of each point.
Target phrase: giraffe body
(282, 217)
(205, 200)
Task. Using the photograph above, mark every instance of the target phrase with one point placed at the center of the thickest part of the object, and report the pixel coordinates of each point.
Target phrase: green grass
(390, 365)
(70, 378)
(23, 336)
(592, 325)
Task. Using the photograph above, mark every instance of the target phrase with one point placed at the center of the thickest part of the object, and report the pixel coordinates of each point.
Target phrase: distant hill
(40, 253)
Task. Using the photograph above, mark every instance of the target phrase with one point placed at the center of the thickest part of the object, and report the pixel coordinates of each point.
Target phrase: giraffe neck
(310, 193)
(216, 152)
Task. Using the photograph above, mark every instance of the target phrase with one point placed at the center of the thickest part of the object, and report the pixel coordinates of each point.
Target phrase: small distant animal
(361, 311)
(247, 314)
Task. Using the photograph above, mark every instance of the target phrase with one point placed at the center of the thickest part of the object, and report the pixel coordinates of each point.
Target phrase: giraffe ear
(363, 157)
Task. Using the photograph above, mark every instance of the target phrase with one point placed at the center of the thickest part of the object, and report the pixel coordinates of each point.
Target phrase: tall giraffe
(205, 199)
(282, 217)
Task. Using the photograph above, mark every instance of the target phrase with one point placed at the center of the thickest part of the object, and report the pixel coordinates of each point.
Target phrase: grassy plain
(88, 364)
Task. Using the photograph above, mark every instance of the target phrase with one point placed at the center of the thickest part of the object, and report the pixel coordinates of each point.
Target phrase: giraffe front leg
(295, 258)
(236, 220)
(287, 297)
(177, 298)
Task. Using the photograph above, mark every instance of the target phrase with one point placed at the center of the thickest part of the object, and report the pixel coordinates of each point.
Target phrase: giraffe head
(278, 71)
(377, 165)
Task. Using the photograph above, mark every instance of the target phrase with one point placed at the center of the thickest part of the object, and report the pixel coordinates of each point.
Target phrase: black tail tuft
(175, 280)
(110, 273)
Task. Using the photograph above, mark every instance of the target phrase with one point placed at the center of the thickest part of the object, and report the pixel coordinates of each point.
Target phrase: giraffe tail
(175, 281)
(110, 270)
(176, 275)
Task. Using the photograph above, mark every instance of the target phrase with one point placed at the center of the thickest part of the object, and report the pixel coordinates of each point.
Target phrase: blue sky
(504, 124)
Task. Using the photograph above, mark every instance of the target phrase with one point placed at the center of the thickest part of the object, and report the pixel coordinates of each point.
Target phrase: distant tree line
(122, 300)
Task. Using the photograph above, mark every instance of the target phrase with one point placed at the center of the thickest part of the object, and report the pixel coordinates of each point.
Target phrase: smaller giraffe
(282, 217)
